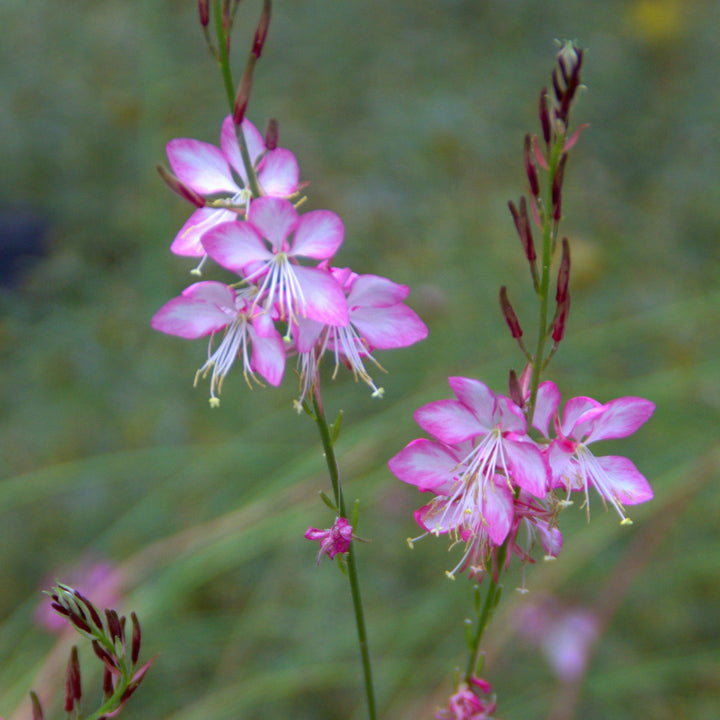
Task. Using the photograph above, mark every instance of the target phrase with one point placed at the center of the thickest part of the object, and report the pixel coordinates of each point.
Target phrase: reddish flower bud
(262, 29)
(73, 688)
(114, 625)
(530, 169)
(108, 685)
(516, 393)
(560, 319)
(271, 134)
(544, 116)
(522, 225)
(180, 188)
(243, 94)
(136, 639)
(108, 660)
(563, 273)
(509, 314)
(204, 10)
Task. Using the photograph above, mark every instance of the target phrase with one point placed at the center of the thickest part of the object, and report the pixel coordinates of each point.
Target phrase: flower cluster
(287, 298)
(491, 478)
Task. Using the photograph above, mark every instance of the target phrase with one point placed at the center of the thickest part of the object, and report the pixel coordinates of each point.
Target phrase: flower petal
(497, 511)
(620, 418)
(449, 421)
(546, 406)
(278, 173)
(625, 481)
(235, 245)
(425, 464)
(274, 219)
(477, 397)
(324, 298)
(188, 240)
(201, 166)
(268, 354)
(575, 409)
(318, 235)
(528, 465)
(389, 327)
(376, 291)
(231, 148)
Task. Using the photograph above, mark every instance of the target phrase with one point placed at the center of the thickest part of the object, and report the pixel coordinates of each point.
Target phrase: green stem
(224, 60)
(484, 617)
(329, 451)
(548, 246)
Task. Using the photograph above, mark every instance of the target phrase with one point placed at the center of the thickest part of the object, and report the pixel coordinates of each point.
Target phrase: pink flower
(264, 250)
(482, 457)
(208, 307)
(212, 173)
(466, 705)
(335, 540)
(574, 466)
(378, 319)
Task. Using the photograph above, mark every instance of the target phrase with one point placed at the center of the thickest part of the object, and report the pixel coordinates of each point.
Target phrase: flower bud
(262, 29)
(563, 273)
(516, 393)
(560, 319)
(243, 95)
(180, 188)
(509, 314)
(522, 225)
(544, 116)
(530, 169)
(37, 710)
(557, 188)
(271, 134)
(73, 688)
(136, 639)
(204, 10)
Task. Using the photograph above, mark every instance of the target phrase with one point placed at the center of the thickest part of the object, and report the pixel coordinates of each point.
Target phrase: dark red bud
(73, 689)
(262, 29)
(243, 95)
(136, 639)
(97, 622)
(560, 319)
(530, 169)
(271, 134)
(563, 273)
(108, 660)
(544, 116)
(516, 394)
(180, 188)
(522, 225)
(114, 626)
(108, 685)
(509, 314)
(204, 10)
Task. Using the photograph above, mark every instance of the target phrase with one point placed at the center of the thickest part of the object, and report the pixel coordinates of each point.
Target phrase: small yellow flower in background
(655, 21)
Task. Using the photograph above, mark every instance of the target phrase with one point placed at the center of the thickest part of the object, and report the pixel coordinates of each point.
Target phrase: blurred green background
(407, 118)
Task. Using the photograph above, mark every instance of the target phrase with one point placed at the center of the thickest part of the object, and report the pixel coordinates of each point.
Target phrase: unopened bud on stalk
(544, 116)
(522, 225)
(136, 639)
(563, 273)
(509, 314)
(243, 95)
(108, 686)
(73, 689)
(180, 188)
(530, 169)
(516, 393)
(271, 134)
(204, 10)
(262, 29)
(560, 319)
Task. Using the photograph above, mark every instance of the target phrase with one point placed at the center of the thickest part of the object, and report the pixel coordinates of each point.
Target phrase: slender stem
(548, 245)
(226, 71)
(321, 421)
(484, 617)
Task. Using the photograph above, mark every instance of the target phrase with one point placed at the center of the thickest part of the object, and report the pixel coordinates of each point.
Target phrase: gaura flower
(466, 705)
(265, 250)
(575, 467)
(378, 320)
(335, 540)
(219, 174)
(207, 307)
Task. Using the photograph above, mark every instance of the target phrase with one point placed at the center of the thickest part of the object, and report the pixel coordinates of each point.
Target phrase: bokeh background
(407, 118)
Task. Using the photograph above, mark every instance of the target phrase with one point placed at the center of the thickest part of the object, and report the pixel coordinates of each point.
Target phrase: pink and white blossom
(219, 175)
(576, 468)
(207, 307)
(465, 703)
(265, 251)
